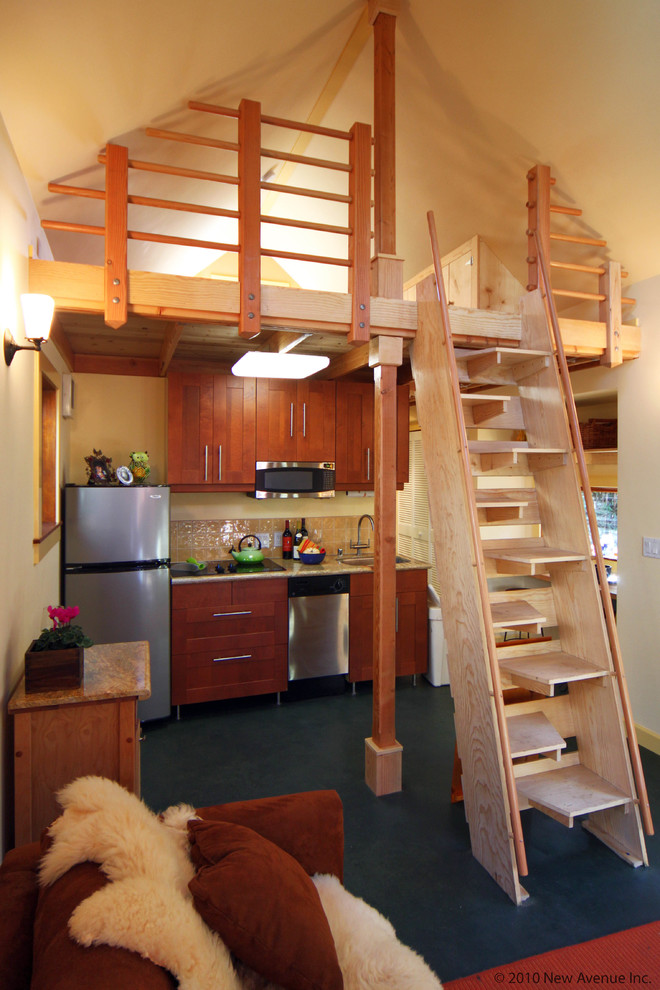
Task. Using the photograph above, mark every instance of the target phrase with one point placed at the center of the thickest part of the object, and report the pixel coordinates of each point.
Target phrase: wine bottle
(297, 540)
(287, 542)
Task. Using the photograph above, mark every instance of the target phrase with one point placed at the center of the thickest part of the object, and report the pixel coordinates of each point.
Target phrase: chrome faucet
(362, 546)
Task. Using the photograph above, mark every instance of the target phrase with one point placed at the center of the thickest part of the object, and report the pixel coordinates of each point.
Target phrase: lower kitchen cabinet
(411, 625)
(229, 639)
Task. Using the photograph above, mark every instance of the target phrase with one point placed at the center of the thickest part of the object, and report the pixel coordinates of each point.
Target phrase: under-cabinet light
(264, 364)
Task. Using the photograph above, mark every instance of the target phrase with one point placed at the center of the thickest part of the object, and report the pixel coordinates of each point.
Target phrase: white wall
(637, 384)
(25, 588)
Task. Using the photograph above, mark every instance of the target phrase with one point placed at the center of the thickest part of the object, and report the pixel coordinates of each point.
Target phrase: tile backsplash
(211, 539)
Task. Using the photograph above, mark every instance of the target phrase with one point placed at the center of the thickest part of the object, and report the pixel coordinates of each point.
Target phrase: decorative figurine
(139, 465)
(99, 468)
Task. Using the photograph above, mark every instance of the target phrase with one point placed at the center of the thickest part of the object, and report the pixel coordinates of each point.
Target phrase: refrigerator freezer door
(102, 525)
(125, 606)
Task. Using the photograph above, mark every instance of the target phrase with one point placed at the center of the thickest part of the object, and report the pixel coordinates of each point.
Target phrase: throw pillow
(263, 905)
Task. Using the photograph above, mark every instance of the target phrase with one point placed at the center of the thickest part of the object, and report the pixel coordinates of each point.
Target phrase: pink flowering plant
(62, 635)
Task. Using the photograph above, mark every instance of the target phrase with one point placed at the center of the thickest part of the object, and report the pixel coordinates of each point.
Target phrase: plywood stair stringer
(573, 672)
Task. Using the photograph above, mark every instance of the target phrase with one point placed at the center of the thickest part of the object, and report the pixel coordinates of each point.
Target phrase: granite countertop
(293, 568)
(111, 671)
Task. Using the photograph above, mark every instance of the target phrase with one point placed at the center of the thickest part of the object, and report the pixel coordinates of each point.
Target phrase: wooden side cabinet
(411, 625)
(295, 420)
(61, 735)
(229, 639)
(211, 432)
(355, 436)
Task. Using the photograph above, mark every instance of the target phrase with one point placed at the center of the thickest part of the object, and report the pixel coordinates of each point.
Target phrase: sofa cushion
(59, 963)
(308, 825)
(18, 904)
(263, 905)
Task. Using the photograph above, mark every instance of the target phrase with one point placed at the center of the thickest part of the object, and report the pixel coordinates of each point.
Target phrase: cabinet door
(276, 420)
(402, 436)
(355, 435)
(315, 421)
(189, 429)
(234, 423)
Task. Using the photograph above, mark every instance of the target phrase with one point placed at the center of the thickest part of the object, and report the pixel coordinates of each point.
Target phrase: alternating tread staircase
(489, 417)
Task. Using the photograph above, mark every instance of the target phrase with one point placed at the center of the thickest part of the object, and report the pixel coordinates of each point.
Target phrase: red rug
(625, 959)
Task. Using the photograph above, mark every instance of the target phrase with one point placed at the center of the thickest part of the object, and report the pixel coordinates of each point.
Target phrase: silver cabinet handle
(291, 422)
(219, 462)
(243, 656)
(396, 615)
(368, 463)
(206, 462)
(304, 419)
(221, 615)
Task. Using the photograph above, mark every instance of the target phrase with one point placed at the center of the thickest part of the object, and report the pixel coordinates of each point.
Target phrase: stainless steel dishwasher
(318, 625)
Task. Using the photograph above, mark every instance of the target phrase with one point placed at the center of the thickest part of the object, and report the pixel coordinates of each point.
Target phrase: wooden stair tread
(475, 398)
(565, 793)
(486, 500)
(532, 734)
(510, 447)
(541, 672)
(505, 357)
(515, 613)
(534, 555)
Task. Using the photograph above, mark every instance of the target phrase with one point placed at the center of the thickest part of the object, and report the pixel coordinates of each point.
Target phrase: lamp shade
(37, 315)
(265, 364)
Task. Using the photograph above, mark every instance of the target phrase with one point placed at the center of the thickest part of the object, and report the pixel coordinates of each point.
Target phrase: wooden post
(116, 236)
(383, 754)
(538, 219)
(249, 223)
(609, 284)
(387, 268)
(359, 220)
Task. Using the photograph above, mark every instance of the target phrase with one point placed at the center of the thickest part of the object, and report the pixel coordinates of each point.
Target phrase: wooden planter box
(53, 670)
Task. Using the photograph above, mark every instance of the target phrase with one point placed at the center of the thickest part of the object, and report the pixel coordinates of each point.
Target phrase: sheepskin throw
(148, 907)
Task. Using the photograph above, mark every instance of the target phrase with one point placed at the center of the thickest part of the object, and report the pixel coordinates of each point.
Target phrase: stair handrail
(510, 782)
(610, 621)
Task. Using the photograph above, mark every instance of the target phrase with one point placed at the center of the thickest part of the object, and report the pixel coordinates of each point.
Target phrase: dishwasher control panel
(321, 584)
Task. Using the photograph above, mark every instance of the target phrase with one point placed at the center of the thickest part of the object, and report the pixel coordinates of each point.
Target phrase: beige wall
(638, 607)
(26, 588)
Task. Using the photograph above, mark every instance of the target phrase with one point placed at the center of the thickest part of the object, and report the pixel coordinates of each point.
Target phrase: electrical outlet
(277, 540)
(650, 547)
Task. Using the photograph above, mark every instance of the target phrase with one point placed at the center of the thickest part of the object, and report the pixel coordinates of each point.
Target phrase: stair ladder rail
(490, 795)
(610, 622)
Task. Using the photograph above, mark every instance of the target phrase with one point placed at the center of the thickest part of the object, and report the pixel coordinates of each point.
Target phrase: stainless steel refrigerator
(116, 570)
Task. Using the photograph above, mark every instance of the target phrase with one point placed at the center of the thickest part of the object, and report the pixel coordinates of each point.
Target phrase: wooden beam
(538, 218)
(116, 236)
(353, 360)
(384, 25)
(170, 341)
(609, 311)
(92, 364)
(249, 224)
(383, 754)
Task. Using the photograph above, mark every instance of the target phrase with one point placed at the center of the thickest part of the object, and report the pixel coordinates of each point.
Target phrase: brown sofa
(36, 951)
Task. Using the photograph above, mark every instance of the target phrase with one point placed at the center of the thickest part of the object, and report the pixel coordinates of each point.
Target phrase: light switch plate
(650, 547)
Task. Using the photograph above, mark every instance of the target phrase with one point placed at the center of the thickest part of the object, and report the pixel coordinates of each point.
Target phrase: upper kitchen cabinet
(295, 420)
(355, 436)
(211, 430)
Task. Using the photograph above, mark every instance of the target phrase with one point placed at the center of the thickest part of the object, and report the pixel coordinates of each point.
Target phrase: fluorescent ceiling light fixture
(266, 364)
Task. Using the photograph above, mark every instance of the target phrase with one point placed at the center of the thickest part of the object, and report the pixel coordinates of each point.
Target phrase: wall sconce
(37, 317)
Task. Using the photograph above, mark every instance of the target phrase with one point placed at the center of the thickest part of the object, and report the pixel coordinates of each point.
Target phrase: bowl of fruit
(310, 553)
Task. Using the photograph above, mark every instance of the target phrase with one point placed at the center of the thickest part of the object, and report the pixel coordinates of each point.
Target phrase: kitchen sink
(365, 561)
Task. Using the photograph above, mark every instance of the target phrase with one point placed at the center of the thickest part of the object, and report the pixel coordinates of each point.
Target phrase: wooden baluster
(383, 754)
(360, 239)
(609, 284)
(249, 225)
(116, 223)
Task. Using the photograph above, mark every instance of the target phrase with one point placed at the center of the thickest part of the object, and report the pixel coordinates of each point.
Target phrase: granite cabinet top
(110, 671)
(295, 568)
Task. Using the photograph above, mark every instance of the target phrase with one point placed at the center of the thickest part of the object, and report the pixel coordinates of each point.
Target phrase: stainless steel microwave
(294, 479)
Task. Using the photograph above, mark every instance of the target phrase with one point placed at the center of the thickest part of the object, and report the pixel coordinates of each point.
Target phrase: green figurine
(140, 466)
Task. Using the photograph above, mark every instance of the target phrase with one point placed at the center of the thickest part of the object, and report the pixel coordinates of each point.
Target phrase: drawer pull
(244, 656)
(221, 615)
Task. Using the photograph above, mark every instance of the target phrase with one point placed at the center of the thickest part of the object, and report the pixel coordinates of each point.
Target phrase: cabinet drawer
(260, 590)
(219, 649)
(261, 674)
(204, 593)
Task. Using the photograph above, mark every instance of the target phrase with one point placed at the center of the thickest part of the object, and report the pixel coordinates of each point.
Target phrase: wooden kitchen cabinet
(93, 729)
(295, 420)
(355, 436)
(211, 432)
(229, 639)
(411, 625)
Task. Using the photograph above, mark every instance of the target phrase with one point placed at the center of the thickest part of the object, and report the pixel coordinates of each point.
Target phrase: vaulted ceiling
(484, 90)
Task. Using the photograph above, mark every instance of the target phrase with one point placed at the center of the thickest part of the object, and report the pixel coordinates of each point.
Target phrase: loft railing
(609, 274)
(249, 216)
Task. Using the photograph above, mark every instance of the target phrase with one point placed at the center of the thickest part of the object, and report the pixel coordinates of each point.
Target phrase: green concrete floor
(407, 854)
